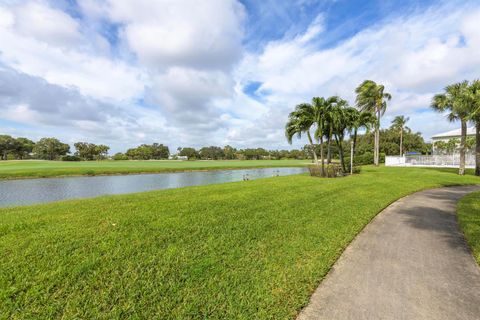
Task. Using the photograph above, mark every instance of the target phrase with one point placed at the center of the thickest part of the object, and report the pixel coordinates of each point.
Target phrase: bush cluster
(70, 158)
(364, 159)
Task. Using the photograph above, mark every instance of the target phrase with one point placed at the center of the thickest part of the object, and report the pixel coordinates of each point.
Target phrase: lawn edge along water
(324, 236)
(468, 217)
(45, 173)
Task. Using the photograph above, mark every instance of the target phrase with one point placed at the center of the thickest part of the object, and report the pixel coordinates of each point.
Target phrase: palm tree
(299, 123)
(371, 97)
(308, 115)
(358, 121)
(342, 119)
(455, 101)
(474, 102)
(329, 119)
(399, 123)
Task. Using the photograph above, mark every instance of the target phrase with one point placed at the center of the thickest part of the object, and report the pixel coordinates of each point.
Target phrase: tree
(229, 152)
(211, 153)
(474, 115)
(340, 120)
(7, 145)
(190, 153)
(91, 151)
(358, 121)
(101, 151)
(440, 147)
(399, 123)
(455, 101)
(50, 149)
(159, 151)
(470, 144)
(23, 147)
(299, 122)
(147, 152)
(412, 141)
(371, 97)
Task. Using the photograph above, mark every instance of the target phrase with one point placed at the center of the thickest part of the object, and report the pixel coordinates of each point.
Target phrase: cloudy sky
(217, 72)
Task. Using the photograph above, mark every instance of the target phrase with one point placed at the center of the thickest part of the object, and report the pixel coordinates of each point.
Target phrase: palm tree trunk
(461, 170)
(339, 141)
(355, 140)
(329, 152)
(322, 156)
(313, 147)
(401, 141)
(377, 140)
(477, 148)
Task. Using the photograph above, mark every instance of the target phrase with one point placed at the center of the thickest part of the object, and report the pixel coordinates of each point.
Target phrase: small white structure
(391, 161)
(175, 157)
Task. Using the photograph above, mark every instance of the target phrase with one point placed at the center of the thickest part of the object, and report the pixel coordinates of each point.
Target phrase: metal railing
(448, 160)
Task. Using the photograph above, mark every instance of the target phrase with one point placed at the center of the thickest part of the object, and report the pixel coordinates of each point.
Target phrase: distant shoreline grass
(469, 219)
(245, 250)
(30, 169)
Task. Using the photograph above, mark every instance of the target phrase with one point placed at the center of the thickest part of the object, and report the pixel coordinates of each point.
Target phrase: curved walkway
(410, 262)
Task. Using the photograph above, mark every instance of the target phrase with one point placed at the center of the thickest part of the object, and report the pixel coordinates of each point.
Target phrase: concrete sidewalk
(410, 262)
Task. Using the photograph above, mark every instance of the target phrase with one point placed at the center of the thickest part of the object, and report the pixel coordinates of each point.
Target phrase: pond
(31, 191)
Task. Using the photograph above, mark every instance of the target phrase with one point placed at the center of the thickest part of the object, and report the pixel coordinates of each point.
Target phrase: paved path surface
(410, 262)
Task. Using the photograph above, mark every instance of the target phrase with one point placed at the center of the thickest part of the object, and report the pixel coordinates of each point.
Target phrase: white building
(453, 134)
(450, 160)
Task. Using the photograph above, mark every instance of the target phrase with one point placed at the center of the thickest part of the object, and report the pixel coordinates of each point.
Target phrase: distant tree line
(54, 149)
(231, 153)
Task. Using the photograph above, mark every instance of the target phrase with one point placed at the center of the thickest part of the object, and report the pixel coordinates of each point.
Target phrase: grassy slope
(245, 250)
(37, 169)
(469, 219)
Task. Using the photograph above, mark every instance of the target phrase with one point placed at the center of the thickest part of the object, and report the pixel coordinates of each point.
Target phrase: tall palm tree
(358, 121)
(329, 113)
(371, 97)
(299, 123)
(308, 115)
(455, 101)
(323, 111)
(342, 119)
(474, 102)
(399, 123)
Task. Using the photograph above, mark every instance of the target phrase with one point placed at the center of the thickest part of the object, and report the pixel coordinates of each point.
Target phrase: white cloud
(198, 34)
(37, 45)
(185, 62)
(413, 56)
(39, 21)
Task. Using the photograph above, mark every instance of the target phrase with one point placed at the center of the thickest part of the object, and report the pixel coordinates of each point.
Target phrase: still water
(30, 191)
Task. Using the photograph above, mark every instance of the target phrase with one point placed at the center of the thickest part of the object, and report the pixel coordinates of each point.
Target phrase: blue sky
(217, 72)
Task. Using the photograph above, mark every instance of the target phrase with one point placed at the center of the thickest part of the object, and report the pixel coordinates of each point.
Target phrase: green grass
(42, 169)
(469, 219)
(245, 250)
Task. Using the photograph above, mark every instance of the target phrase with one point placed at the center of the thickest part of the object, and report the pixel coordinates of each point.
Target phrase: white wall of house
(454, 134)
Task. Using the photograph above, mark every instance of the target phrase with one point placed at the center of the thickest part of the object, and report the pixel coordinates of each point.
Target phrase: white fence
(452, 160)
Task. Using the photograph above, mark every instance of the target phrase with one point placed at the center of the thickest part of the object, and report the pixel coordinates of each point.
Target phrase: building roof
(454, 133)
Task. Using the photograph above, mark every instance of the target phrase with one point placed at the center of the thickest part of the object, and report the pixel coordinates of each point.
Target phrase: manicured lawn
(38, 169)
(245, 250)
(469, 219)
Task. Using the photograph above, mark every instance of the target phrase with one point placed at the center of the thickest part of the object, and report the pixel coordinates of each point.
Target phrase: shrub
(364, 159)
(331, 171)
(120, 156)
(70, 158)
(356, 169)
